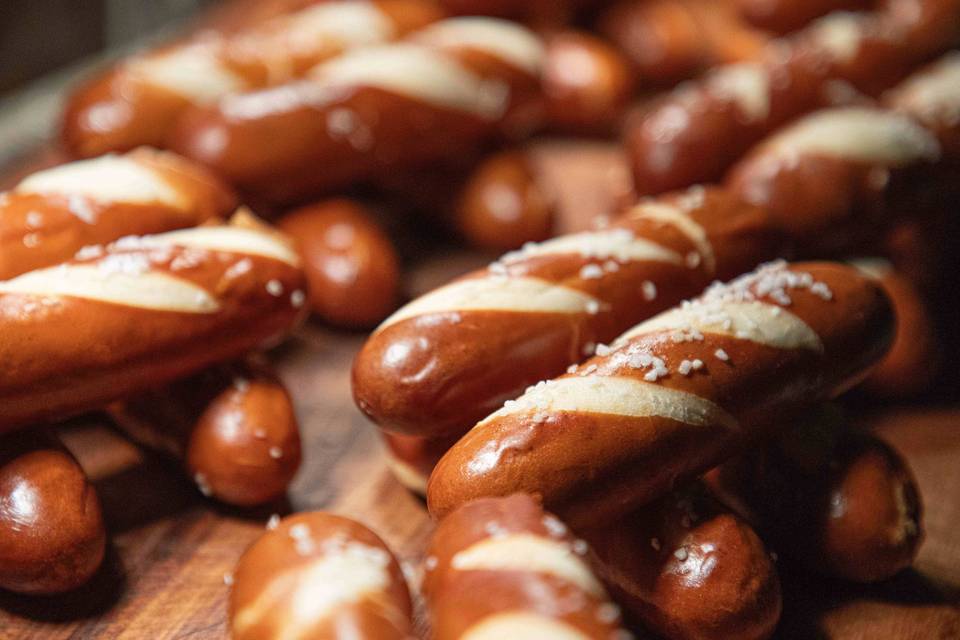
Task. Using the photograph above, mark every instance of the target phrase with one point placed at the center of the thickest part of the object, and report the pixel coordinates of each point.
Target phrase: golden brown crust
(138, 314)
(587, 84)
(838, 499)
(270, 142)
(697, 132)
(689, 569)
(500, 558)
(319, 575)
(39, 229)
(126, 106)
(435, 373)
(232, 427)
(352, 267)
(670, 399)
(784, 16)
(52, 537)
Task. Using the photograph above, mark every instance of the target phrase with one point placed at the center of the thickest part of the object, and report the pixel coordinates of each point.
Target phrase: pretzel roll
(671, 40)
(352, 267)
(503, 205)
(587, 84)
(914, 360)
(674, 395)
(542, 14)
(689, 569)
(440, 93)
(52, 214)
(52, 537)
(838, 499)
(137, 102)
(696, 133)
(141, 313)
(233, 427)
(454, 355)
(825, 177)
(932, 97)
(318, 575)
(784, 16)
(504, 568)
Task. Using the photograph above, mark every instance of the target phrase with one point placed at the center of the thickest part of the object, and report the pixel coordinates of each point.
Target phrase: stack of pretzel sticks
(95, 307)
(893, 532)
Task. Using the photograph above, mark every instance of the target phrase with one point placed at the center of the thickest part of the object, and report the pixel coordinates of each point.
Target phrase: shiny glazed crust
(318, 575)
(453, 356)
(504, 568)
(140, 313)
(54, 213)
(671, 397)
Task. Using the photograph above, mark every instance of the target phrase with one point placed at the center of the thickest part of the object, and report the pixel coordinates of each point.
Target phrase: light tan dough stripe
(747, 85)
(330, 582)
(759, 322)
(519, 624)
(616, 244)
(411, 70)
(511, 43)
(859, 134)
(219, 238)
(110, 178)
(615, 396)
(406, 474)
(525, 552)
(349, 24)
(933, 95)
(194, 72)
(689, 227)
(148, 290)
(840, 33)
(497, 293)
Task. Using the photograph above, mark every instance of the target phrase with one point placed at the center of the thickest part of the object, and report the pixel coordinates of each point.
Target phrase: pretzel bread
(52, 536)
(232, 427)
(351, 264)
(52, 214)
(140, 313)
(836, 498)
(783, 16)
(825, 177)
(442, 91)
(695, 133)
(932, 97)
(689, 569)
(318, 575)
(672, 396)
(445, 360)
(137, 102)
(504, 568)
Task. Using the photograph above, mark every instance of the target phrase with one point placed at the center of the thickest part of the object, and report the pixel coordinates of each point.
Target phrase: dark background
(40, 36)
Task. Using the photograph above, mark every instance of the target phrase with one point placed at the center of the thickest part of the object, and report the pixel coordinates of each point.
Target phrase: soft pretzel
(351, 264)
(695, 133)
(838, 499)
(52, 536)
(233, 427)
(140, 313)
(445, 360)
(137, 102)
(826, 177)
(932, 97)
(52, 214)
(503, 568)
(441, 92)
(689, 569)
(672, 396)
(318, 575)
